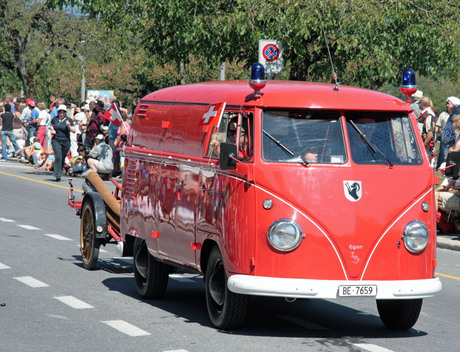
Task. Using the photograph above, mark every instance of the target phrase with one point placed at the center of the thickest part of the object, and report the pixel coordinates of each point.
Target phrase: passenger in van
(311, 154)
(308, 154)
(231, 138)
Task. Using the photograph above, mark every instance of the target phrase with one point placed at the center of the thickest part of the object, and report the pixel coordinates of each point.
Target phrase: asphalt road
(49, 302)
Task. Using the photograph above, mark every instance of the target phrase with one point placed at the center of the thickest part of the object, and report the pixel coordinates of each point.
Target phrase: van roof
(281, 94)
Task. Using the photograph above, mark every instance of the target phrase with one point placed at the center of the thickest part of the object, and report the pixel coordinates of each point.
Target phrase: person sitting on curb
(78, 163)
(32, 152)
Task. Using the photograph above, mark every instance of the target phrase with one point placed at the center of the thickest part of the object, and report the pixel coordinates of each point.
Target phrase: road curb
(451, 242)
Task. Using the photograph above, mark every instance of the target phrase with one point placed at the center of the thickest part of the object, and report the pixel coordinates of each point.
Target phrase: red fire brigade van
(296, 190)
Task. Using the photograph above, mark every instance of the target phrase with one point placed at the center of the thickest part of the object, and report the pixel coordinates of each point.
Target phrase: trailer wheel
(89, 244)
(150, 274)
(399, 314)
(225, 308)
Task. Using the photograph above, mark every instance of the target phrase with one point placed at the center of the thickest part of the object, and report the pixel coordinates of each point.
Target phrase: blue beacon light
(408, 85)
(408, 79)
(257, 81)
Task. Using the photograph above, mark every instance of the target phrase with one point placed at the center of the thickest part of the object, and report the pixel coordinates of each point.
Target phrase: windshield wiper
(372, 147)
(279, 144)
(284, 148)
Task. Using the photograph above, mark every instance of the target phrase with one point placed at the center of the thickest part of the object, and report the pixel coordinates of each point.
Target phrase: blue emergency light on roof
(408, 86)
(257, 81)
(257, 73)
(408, 79)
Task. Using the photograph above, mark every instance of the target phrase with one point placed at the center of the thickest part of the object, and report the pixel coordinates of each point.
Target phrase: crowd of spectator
(63, 137)
(436, 128)
(67, 138)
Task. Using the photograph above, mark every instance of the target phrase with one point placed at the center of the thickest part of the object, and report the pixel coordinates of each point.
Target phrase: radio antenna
(334, 74)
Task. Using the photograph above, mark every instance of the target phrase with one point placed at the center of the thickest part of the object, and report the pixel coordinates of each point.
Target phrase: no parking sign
(271, 55)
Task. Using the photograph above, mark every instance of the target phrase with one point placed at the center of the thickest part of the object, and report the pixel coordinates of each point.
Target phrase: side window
(233, 124)
(219, 136)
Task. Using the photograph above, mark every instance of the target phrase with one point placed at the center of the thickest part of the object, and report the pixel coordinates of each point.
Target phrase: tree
(35, 34)
(371, 41)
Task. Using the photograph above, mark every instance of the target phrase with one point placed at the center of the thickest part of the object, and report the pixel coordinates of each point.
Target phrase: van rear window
(382, 138)
(302, 136)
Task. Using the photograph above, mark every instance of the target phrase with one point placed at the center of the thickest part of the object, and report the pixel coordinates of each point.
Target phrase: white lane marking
(3, 266)
(74, 302)
(61, 317)
(176, 351)
(371, 347)
(30, 281)
(28, 227)
(6, 220)
(58, 237)
(126, 328)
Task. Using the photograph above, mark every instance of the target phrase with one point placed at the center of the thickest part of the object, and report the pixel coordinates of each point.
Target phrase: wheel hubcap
(141, 261)
(217, 285)
(86, 235)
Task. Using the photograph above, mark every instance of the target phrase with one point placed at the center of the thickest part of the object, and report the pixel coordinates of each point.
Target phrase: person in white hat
(416, 96)
(60, 127)
(82, 119)
(448, 135)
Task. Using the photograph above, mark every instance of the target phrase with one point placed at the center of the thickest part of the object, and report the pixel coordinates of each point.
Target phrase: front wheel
(399, 314)
(150, 274)
(225, 308)
(89, 243)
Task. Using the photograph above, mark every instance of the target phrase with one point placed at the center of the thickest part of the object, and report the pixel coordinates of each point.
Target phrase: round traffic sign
(270, 52)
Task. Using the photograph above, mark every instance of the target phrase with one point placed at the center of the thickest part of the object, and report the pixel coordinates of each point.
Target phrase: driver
(311, 154)
(232, 130)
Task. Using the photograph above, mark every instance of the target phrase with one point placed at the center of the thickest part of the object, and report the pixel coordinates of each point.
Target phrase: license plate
(357, 290)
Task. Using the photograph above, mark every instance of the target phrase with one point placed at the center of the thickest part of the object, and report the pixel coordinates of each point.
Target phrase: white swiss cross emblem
(209, 115)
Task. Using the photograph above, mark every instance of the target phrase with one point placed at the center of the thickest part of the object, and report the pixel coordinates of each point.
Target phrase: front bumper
(301, 288)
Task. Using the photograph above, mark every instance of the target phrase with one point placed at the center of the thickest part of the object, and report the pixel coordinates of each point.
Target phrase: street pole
(83, 85)
(222, 71)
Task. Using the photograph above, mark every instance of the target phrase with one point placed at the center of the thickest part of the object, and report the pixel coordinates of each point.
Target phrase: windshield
(316, 136)
(382, 138)
(304, 136)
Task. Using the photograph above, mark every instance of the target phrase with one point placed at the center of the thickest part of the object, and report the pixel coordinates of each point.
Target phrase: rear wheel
(150, 274)
(225, 308)
(399, 314)
(89, 244)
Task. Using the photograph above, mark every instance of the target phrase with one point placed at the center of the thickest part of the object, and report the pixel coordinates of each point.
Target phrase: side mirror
(227, 155)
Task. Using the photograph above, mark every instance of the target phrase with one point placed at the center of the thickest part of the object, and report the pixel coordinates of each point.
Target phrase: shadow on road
(110, 265)
(268, 316)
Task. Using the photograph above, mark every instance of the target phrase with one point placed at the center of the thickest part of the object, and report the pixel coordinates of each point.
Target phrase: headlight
(284, 235)
(416, 236)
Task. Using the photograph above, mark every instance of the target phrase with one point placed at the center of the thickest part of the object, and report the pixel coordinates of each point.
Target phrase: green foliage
(136, 46)
(371, 42)
(34, 35)
(46, 50)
